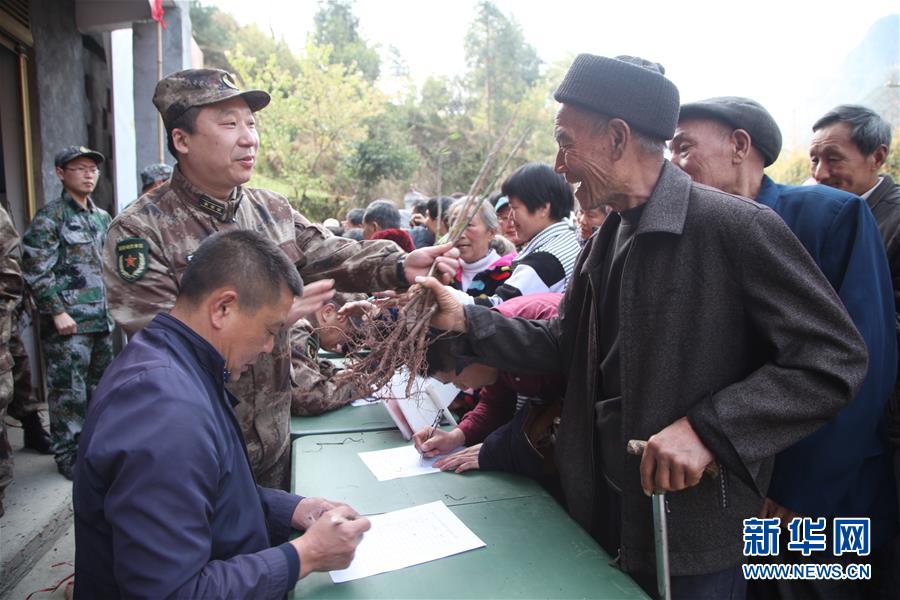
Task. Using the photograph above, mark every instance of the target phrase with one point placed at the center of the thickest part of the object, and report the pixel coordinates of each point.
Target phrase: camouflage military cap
(154, 173)
(67, 155)
(200, 87)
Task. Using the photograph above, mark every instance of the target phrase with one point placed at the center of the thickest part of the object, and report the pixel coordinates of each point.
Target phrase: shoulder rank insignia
(131, 258)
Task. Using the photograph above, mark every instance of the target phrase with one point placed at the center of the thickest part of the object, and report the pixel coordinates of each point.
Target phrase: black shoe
(36, 437)
(65, 468)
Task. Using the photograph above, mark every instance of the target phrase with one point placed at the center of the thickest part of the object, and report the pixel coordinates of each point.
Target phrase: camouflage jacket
(11, 285)
(62, 262)
(314, 389)
(147, 251)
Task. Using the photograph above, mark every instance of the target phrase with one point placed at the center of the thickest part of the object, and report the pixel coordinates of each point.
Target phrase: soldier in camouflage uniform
(153, 176)
(314, 387)
(212, 132)
(11, 288)
(62, 264)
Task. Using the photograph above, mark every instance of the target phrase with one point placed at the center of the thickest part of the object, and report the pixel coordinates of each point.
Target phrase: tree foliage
(331, 138)
(338, 27)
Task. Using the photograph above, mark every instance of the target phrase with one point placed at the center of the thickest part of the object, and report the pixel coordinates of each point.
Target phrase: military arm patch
(131, 258)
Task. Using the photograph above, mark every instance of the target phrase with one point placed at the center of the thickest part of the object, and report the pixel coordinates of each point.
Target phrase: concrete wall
(176, 44)
(59, 72)
(99, 120)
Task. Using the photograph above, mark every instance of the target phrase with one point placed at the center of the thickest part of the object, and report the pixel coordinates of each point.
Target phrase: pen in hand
(437, 420)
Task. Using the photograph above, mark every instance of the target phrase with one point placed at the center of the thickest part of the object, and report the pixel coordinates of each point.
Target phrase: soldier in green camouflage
(315, 387)
(212, 133)
(11, 288)
(62, 264)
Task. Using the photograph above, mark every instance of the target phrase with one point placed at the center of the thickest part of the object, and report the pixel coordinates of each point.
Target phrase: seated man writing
(497, 402)
(165, 502)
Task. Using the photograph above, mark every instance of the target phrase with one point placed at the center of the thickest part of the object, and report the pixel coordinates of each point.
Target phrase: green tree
(385, 153)
(315, 119)
(502, 66)
(216, 32)
(337, 26)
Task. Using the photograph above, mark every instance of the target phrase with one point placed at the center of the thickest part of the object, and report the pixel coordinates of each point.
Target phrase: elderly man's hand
(450, 315)
(418, 262)
(309, 510)
(464, 460)
(315, 295)
(674, 459)
(331, 541)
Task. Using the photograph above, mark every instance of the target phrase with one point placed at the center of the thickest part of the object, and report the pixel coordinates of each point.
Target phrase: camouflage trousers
(6, 461)
(74, 365)
(24, 401)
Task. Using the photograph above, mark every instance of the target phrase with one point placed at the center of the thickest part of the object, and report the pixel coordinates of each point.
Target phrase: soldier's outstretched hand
(314, 296)
(418, 262)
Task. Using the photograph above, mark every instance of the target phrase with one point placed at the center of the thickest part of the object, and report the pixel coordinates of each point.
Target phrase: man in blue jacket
(165, 502)
(843, 469)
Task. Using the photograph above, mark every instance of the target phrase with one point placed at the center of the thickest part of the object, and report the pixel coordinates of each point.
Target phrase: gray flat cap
(740, 113)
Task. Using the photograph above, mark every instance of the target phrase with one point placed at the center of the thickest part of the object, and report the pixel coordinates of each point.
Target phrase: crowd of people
(653, 284)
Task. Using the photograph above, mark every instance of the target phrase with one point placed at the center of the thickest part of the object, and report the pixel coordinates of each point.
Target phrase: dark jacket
(845, 468)
(725, 319)
(165, 502)
(885, 204)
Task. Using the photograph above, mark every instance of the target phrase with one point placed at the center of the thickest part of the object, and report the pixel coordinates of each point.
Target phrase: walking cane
(660, 526)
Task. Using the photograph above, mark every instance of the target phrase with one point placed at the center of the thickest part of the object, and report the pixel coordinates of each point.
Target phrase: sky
(778, 52)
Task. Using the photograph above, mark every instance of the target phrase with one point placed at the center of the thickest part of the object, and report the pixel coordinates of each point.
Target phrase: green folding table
(372, 417)
(533, 549)
(328, 466)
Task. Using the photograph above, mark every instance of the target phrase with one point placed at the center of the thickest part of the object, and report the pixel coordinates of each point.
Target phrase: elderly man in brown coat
(694, 319)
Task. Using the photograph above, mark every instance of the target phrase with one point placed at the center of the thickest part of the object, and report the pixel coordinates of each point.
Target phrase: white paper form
(395, 463)
(408, 537)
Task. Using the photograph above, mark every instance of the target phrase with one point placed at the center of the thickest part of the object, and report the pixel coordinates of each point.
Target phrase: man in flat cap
(62, 264)
(680, 327)
(212, 133)
(843, 469)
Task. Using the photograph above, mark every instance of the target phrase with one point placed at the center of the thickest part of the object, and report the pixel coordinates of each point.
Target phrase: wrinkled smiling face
(583, 156)
(702, 148)
(834, 160)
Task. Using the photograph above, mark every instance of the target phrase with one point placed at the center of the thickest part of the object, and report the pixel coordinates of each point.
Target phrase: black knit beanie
(626, 87)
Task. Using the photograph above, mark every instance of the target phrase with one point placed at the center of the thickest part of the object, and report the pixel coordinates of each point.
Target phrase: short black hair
(383, 212)
(536, 184)
(186, 121)
(440, 355)
(445, 201)
(420, 207)
(355, 216)
(247, 260)
(868, 130)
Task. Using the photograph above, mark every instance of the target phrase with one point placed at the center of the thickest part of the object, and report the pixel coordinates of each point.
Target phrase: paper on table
(394, 463)
(408, 537)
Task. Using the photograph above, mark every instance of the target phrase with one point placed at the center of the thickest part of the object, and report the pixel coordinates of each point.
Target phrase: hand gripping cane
(660, 526)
